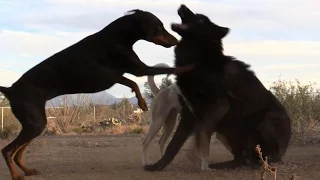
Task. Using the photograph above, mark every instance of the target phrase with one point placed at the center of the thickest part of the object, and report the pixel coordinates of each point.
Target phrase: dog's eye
(200, 21)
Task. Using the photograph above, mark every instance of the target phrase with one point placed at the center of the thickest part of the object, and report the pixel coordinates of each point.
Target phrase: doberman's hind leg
(21, 164)
(33, 120)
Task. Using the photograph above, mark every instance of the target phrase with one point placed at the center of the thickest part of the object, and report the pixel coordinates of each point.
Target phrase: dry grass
(84, 119)
(301, 101)
(125, 129)
(267, 168)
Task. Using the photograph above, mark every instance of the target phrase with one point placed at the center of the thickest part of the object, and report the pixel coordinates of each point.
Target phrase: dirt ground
(119, 157)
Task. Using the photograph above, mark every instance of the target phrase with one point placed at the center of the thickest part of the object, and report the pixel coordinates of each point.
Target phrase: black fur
(225, 97)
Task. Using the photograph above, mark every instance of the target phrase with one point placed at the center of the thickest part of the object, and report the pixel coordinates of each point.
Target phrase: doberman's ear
(137, 14)
(133, 11)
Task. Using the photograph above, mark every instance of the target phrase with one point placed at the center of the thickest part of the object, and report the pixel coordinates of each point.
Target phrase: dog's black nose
(181, 9)
(182, 6)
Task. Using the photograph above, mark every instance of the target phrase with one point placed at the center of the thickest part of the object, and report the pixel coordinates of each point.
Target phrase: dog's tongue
(180, 26)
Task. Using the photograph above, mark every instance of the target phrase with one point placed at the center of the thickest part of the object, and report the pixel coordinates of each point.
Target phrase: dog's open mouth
(175, 26)
(185, 14)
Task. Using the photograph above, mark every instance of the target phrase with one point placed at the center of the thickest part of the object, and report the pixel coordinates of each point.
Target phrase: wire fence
(2, 116)
(78, 115)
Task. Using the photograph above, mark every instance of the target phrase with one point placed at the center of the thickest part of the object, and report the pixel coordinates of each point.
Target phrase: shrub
(302, 103)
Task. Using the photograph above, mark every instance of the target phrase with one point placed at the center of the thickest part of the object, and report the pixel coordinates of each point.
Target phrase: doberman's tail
(153, 87)
(5, 91)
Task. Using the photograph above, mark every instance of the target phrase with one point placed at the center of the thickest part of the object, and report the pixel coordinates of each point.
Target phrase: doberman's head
(198, 26)
(151, 28)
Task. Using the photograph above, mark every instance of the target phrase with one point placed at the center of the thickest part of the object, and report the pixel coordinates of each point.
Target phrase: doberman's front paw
(142, 104)
(152, 167)
(183, 69)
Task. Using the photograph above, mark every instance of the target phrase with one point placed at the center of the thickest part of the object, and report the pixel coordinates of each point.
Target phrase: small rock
(294, 167)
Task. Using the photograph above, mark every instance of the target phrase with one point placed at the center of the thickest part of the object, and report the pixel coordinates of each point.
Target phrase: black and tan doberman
(91, 65)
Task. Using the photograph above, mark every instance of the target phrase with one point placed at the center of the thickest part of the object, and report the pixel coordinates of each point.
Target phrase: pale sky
(279, 38)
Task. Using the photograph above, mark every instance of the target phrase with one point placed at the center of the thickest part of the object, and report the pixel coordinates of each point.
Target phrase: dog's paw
(146, 162)
(206, 169)
(152, 167)
(205, 165)
(149, 162)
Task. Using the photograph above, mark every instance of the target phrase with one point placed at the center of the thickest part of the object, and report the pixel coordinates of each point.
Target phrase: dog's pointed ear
(224, 31)
(133, 11)
(137, 14)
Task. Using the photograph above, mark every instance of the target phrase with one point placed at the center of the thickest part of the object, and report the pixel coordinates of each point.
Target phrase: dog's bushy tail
(153, 87)
(5, 91)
